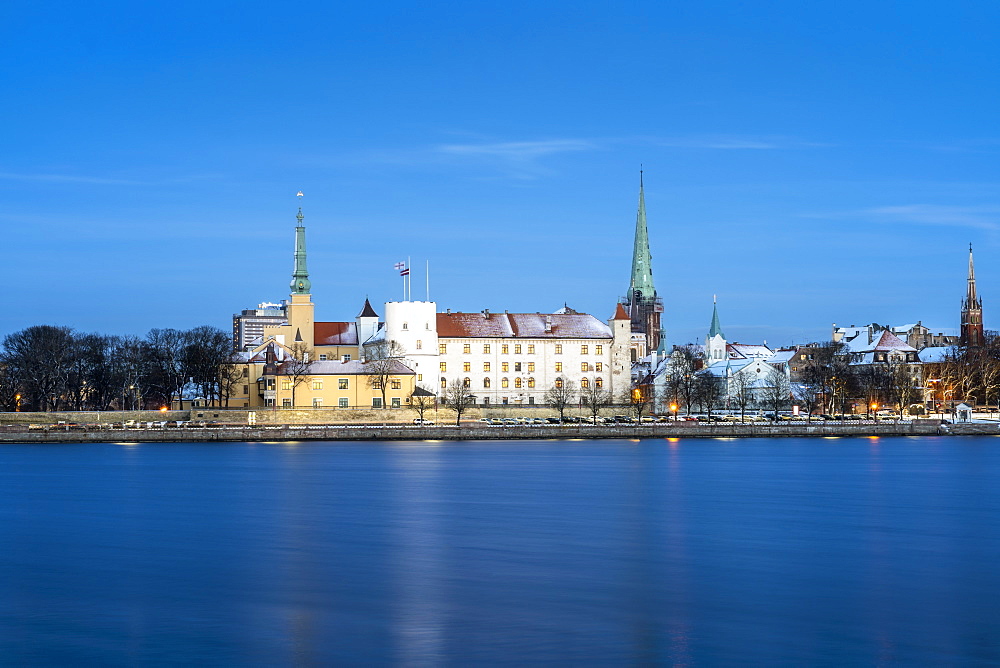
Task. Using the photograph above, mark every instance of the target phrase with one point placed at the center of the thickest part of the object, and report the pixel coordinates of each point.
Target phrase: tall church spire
(716, 327)
(300, 284)
(972, 334)
(641, 285)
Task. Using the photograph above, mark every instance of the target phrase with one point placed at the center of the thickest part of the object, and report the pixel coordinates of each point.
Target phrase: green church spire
(716, 328)
(300, 284)
(642, 270)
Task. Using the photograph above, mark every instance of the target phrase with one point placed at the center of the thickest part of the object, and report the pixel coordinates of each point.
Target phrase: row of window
(343, 358)
(528, 366)
(505, 349)
(344, 384)
(344, 402)
(520, 383)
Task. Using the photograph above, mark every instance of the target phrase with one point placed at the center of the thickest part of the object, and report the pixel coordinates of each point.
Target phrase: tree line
(47, 368)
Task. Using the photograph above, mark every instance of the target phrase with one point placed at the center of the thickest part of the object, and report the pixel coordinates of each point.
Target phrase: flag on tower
(405, 272)
(399, 265)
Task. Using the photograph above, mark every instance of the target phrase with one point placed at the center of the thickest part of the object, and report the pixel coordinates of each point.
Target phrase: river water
(787, 551)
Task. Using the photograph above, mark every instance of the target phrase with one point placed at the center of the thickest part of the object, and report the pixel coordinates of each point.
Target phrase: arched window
(517, 382)
(559, 383)
(486, 381)
(584, 382)
(531, 382)
(444, 383)
(599, 382)
(466, 382)
(504, 382)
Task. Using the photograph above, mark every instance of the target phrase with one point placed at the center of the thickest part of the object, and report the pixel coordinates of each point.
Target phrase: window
(444, 383)
(531, 401)
(245, 372)
(598, 350)
(467, 367)
(584, 366)
(486, 349)
(486, 367)
(503, 349)
(486, 381)
(466, 348)
(443, 366)
(517, 348)
(531, 349)
(395, 384)
(598, 366)
(558, 349)
(345, 358)
(317, 384)
(517, 366)
(286, 403)
(504, 382)
(517, 383)
(342, 383)
(584, 383)
(420, 344)
(376, 402)
(376, 383)
(322, 358)
(343, 402)
(317, 402)
(246, 389)
(466, 382)
(420, 377)
(802, 357)
(286, 384)
(584, 350)
(559, 382)
(505, 401)
(395, 402)
(405, 326)
(486, 401)
(531, 382)
(531, 367)
(442, 349)
(558, 367)
(598, 382)
(505, 366)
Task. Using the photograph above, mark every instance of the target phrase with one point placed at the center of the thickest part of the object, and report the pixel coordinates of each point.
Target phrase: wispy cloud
(518, 150)
(734, 142)
(974, 217)
(66, 178)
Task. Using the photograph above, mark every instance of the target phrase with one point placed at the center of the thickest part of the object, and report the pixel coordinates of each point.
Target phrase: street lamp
(673, 409)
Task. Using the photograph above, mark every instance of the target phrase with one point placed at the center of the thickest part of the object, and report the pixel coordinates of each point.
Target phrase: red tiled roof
(521, 326)
(335, 334)
(620, 313)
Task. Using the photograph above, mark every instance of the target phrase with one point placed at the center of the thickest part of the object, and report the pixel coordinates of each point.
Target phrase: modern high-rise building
(249, 324)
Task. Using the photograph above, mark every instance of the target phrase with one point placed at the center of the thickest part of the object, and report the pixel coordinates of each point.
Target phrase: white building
(510, 358)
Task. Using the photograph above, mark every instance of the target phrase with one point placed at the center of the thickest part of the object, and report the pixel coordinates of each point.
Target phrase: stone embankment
(164, 431)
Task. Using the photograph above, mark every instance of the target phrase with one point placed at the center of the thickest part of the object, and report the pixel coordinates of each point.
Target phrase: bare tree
(638, 403)
(422, 400)
(458, 396)
(296, 367)
(595, 398)
(559, 395)
(381, 362)
(708, 390)
(233, 372)
(741, 392)
(776, 392)
(41, 358)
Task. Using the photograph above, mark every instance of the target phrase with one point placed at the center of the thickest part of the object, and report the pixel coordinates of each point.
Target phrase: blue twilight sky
(809, 163)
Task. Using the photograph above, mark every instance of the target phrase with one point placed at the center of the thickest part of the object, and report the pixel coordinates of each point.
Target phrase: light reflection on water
(784, 551)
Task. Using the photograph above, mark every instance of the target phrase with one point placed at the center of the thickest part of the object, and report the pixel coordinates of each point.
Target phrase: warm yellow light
(874, 405)
(673, 407)
(163, 409)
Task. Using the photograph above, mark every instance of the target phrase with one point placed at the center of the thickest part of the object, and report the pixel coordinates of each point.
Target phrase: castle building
(972, 335)
(642, 303)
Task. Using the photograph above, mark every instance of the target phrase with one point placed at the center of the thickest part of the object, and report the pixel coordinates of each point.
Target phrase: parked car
(422, 421)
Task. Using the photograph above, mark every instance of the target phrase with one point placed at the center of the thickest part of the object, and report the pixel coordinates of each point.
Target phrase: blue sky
(809, 164)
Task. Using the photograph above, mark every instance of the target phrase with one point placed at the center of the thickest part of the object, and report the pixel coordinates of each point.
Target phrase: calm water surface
(695, 552)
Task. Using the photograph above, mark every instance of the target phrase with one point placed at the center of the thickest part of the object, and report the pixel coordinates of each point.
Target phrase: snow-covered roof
(886, 341)
(522, 326)
(351, 368)
(933, 354)
(781, 357)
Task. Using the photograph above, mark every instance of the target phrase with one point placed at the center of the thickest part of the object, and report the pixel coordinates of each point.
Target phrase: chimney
(548, 324)
(486, 313)
(449, 311)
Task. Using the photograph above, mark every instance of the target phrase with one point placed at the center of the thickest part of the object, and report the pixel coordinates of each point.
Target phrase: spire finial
(640, 175)
(299, 216)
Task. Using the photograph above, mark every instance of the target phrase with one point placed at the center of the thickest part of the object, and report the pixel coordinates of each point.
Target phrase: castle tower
(642, 303)
(298, 332)
(972, 335)
(366, 322)
(715, 342)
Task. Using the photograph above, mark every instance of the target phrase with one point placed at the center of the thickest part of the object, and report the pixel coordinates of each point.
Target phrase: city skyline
(808, 166)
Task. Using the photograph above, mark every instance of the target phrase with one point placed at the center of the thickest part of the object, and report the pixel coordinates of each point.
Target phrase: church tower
(642, 303)
(715, 342)
(301, 318)
(972, 335)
